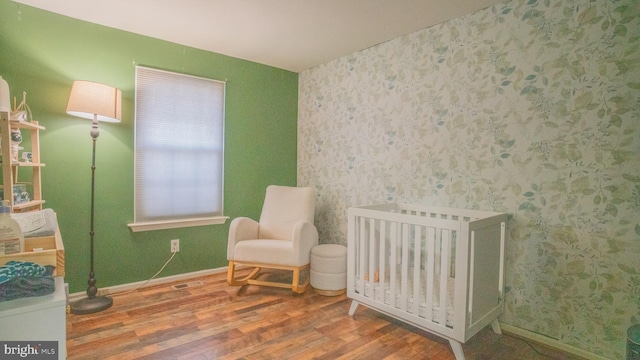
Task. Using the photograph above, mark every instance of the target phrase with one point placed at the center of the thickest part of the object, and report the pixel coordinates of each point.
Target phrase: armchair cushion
(283, 207)
(265, 251)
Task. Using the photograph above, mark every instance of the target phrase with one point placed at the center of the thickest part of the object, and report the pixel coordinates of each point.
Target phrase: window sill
(174, 224)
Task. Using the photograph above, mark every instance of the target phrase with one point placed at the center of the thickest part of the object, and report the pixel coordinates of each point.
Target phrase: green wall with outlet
(42, 53)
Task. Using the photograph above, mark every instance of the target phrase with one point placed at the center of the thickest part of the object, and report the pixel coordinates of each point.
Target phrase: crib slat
(360, 252)
(431, 254)
(444, 276)
(371, 249)
(393, 261)
(383, 252)
(416, 270)
(438, 250)
(405, 267)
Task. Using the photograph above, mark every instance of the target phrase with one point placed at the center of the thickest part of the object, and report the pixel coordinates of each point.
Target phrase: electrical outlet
(175, 245)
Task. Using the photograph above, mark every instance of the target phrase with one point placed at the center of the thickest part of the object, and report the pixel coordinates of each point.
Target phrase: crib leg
(457, 349)
(354, 306)
(496, 327)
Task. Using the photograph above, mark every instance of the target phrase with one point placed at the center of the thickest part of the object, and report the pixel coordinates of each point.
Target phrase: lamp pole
(92, 303)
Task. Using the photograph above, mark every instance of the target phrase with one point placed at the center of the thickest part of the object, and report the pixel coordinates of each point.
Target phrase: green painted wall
(42, 53)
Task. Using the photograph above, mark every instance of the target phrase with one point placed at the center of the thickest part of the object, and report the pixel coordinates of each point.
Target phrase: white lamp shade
(91, 98)
(5, 98)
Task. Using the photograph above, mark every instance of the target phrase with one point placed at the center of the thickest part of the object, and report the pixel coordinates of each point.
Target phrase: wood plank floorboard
(212, 320)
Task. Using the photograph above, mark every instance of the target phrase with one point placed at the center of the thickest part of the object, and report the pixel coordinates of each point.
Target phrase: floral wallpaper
(530, 107)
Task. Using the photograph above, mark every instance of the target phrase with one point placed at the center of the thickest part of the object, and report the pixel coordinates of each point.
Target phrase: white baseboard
(547, 341)
(157, 281)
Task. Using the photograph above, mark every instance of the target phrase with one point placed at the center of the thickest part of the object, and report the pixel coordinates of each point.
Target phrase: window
(179, 143)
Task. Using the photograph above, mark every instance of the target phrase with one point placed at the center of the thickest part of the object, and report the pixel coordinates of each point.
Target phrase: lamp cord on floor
(146, 282)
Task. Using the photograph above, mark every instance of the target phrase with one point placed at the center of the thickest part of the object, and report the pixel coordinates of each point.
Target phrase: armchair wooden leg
(231, 275)
(296, 280)
(296, 287)
(301, 288)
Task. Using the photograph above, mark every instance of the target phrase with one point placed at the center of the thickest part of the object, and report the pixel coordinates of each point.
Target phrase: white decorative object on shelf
(16, 139)
(21, 112)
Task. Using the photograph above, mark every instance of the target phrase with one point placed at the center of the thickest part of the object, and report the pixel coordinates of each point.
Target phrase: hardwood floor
(211, 320)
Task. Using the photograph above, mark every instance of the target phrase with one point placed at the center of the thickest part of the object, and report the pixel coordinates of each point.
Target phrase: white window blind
(179, 143)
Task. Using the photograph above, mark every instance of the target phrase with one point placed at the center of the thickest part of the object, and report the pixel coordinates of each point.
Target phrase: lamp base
(91, 305)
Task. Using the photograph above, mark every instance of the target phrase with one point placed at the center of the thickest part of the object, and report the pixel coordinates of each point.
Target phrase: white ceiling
(289, 34)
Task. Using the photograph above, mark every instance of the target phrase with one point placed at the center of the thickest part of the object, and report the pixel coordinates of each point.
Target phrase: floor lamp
(98, 102)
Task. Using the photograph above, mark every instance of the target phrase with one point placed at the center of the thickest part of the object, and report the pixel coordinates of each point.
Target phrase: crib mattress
(384, 295)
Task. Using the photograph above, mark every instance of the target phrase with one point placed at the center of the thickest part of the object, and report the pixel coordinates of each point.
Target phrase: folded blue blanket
(20, 279)
(14, 269)
(22, 287)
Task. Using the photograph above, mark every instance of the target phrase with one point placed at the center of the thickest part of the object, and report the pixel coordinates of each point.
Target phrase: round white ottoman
(329, 269)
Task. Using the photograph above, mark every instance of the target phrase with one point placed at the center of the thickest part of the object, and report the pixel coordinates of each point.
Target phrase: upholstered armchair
(282, 239)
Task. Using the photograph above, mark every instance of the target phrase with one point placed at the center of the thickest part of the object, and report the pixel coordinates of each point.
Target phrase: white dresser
(40, 318)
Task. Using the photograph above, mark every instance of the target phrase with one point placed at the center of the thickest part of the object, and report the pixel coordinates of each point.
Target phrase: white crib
(456, 256)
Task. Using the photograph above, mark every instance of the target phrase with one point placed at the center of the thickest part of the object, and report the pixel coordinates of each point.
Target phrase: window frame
(172, 223)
